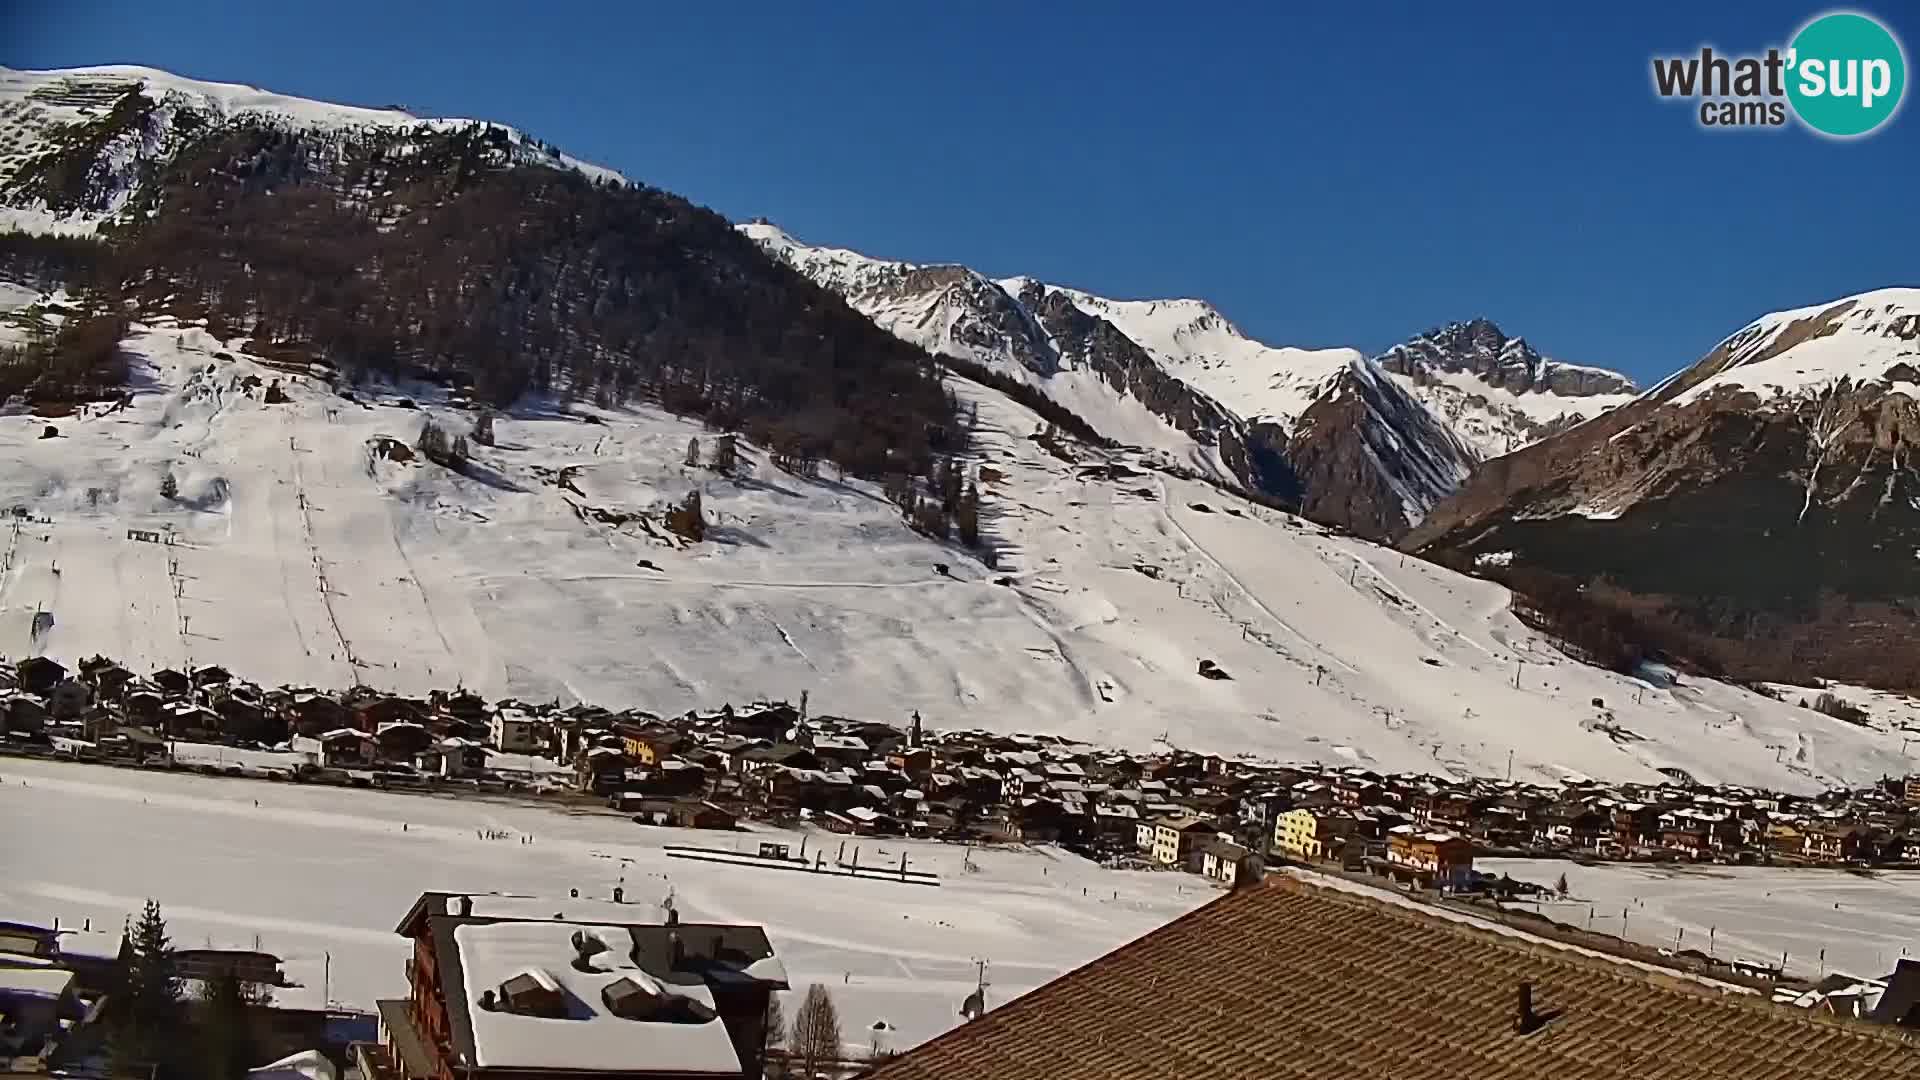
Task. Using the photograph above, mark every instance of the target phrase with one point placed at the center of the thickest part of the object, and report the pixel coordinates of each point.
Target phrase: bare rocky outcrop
(1481, 348)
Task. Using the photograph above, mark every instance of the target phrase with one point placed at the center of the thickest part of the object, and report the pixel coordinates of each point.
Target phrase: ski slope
(301, 556)
(347, 864)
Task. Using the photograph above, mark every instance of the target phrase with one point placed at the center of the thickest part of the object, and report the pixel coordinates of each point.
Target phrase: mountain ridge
(1792, 442)
(1240, 402)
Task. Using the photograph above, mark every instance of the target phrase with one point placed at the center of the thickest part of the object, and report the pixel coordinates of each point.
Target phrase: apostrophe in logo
(1846, 74)
(1843, 75)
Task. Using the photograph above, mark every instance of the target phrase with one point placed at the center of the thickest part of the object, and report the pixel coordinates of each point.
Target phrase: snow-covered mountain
(307, 549)
(1497, 392)
(1195, 342)
(1325, 428)
(313, 545)
(1768, 495)
(45, 112)
(954, 311)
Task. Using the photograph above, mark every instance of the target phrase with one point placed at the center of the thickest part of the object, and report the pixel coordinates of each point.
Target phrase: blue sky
(1348, 175)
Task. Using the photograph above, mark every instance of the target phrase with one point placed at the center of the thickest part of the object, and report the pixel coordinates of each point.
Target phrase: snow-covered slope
(1870, 338)
(1366, 450)
(42, 111)
(1196, 343)
(302, 555)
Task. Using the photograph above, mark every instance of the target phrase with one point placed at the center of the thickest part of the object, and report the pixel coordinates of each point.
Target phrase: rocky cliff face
(1480, 348)
(1767, 498)
(1497, 391)
(1370, 456)
(1083, 341)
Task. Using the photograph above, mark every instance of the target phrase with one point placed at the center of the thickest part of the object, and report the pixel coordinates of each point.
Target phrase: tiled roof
(1291, 981)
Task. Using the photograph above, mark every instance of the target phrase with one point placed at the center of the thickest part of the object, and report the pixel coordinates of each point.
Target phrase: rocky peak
(1479, 347)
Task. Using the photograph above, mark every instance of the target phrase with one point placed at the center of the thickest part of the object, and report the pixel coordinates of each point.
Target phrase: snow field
(1864, 923)
(322, 876)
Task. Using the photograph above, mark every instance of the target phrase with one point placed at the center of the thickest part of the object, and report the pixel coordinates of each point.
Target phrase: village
(778, 763)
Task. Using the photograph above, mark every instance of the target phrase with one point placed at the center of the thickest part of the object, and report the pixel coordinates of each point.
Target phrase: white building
(513, 732)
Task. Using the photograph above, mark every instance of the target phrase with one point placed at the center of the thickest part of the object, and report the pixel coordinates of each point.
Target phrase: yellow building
(1307, 834)
(1296, 834)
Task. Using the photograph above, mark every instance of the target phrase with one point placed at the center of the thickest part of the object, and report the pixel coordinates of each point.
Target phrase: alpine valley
(422, 402)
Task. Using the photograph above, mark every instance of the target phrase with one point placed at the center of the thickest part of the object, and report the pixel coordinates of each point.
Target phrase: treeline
(426, 253)
(1587, 627)
(50, 262)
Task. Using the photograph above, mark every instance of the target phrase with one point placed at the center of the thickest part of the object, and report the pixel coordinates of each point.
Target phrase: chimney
(466, 906)
(677, 952)
(1527, 1021)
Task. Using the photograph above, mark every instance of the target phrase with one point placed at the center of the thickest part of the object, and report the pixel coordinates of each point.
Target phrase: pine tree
(169, 487)
(966, 516)
(693, 453)
(726, 456)
(433, 443)
(149, 1015)
(226, 1036)
(483, 429)
(1561, 887)
(816, 1031)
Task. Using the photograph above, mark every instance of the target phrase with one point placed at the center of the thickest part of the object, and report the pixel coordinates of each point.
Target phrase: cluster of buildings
(773, 761)
(1338, 812)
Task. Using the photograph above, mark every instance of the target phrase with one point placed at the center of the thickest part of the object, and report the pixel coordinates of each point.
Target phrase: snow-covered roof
(35, 981)
(590, 1036)
(839, 742)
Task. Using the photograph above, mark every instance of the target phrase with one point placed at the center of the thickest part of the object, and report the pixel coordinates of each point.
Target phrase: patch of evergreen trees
(153, 1030)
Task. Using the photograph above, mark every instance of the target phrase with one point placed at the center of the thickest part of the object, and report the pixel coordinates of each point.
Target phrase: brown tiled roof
(1291, 981)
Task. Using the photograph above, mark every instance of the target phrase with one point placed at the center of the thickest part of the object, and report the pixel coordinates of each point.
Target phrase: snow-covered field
(316, 871)
(303, 557)
(1864, 924)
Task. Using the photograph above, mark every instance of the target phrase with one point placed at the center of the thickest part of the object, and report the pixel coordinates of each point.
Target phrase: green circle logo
(1846, 74)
